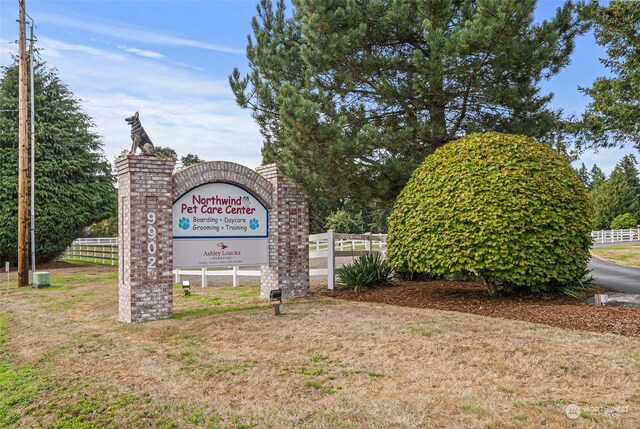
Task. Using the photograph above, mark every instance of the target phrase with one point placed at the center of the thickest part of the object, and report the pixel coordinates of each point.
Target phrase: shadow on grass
(218, 310)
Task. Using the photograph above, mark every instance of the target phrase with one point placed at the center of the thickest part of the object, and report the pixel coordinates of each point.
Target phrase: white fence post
(235, 276)
(204, 277)
(331, 260)
(367, 242)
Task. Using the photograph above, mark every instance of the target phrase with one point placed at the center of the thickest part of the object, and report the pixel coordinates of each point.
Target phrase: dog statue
(139, 137)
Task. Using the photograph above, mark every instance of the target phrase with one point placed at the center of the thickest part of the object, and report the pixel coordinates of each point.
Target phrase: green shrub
(346, 222)
(105, 228)
(369, 270)
(504, 207)
(624, 221)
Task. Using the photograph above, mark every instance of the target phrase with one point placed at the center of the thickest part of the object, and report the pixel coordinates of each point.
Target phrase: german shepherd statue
(139, 137)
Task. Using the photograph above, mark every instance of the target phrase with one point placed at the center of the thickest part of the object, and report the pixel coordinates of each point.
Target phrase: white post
(177, 276)
(331, 260)
(235, 276)
(204, 277)
(367, 243)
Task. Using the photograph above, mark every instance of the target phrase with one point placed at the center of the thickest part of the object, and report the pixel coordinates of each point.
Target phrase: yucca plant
(584, 284)
(369, 270)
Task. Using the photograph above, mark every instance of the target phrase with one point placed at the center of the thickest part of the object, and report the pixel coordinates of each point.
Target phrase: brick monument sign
(209, 214)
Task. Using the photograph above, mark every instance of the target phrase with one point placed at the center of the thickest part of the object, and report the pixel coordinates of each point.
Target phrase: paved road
(616, 277)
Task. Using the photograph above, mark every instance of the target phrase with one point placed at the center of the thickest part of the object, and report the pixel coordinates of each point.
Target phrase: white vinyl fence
(102, 250)
(343, 245)
(616, 235)
(105, 251)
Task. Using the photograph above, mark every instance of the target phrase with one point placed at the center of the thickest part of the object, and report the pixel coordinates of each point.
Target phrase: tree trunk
(492, 288)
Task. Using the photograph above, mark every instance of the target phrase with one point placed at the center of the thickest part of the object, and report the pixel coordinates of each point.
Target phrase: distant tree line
(615, 200)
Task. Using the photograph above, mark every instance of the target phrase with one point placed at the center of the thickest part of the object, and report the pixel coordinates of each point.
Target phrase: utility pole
(33, 152)
(23, 156)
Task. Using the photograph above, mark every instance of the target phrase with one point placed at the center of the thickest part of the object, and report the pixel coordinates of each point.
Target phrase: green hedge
(624, 221)
(503, 207)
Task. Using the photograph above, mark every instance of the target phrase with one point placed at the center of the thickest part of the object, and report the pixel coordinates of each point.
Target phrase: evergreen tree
(617, 195)
(597, 176)
(166, 152)
(73, 180)
(190, 159)
(627, 166)
(584, 176)
(351, 96)
(612, 117)
(612, 198)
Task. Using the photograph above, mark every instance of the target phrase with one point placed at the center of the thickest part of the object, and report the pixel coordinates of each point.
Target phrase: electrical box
(41, 279)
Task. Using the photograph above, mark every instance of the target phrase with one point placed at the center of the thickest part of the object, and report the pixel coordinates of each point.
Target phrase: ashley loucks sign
(219, 224)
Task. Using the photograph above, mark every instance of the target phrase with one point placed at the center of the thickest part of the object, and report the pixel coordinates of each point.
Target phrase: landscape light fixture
(600, 299)
(275, 296)
(186, 287)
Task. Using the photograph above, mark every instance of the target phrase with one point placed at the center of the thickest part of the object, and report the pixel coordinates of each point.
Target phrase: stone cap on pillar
(269, 171)
(148, 163)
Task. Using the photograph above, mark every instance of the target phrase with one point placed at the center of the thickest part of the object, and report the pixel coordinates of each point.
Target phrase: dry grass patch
(326, 363)
(624, 254)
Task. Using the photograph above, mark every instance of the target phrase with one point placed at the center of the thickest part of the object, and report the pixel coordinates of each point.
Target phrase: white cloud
(187, 110)
(142, 52)
(53, 48)
(132, 33)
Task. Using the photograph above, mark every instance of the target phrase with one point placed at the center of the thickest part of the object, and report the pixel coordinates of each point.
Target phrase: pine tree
(597, 176)
(351, 96)
(73, 180)
(611, 118)
(583, 174)
(627, 166)
(617, 195)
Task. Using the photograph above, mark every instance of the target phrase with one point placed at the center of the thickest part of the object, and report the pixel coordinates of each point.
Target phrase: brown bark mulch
(471, 297)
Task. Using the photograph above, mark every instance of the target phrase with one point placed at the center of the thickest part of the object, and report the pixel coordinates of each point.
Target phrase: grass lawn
(224, 361)
(623, 254)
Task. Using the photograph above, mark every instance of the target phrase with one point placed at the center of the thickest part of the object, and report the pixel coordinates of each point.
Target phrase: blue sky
(170, 60)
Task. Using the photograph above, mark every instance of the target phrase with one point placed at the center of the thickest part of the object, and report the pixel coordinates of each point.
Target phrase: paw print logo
(183, 223)
(254, 224)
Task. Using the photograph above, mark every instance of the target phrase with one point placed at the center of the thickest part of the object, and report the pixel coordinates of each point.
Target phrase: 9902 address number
(151, 244)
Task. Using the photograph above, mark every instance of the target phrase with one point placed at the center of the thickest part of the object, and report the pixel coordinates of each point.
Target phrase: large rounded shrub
(503, 207)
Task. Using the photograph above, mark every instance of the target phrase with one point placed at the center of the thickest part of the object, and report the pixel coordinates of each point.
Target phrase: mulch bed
(471, 297)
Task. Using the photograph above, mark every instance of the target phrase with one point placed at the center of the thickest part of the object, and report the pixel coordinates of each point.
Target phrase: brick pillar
(288, 238)
(145, 255)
